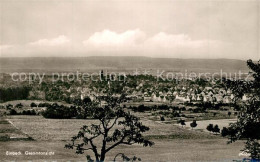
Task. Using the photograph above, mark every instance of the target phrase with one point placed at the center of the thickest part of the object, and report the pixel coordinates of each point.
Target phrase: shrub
(163, 107)
(182, 122)
(210, 127)
(19, 105)
(193, 124)
(9, 106)
(12, 112)
(175, 114)
(33, 104)
(216, 129)
(56, 111)
(162, 118)
(28, 112)
(43, 105)
(224, 132)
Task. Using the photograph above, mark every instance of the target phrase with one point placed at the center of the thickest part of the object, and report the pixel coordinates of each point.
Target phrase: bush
(193, 124)
(29, 112)
(12, 112)
(174, 114)
(56, 111)
(183, 109)
(162, 118)
(33, 104)
(163, 107)
(141, 108)
(43, 105)
(216, 129)
(19, 105)
(210, 127)
(224, 132)
(198, 110)
(182, 122)
(9, 106)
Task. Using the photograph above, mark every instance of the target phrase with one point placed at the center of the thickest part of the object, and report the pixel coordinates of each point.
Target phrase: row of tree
(14, 93)
(24, 112)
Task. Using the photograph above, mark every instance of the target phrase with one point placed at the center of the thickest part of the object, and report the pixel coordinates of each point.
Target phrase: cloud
(165, 40)
(108, 38)
(137, 39)
(5, 46)
(60, 40)
(128, 43)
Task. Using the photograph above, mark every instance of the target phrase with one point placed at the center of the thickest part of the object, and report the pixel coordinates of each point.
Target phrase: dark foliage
(182, 122)
(193, 124)
(19, 105)
(248, 122)
(24, 112)
(224, 132)
(128, 132)
(12, 112)
(28, 112)
(162, 118)
(216, 129)
(14, 93)
(43, 105)
(210, 127)
(33, 104)
(56, 111)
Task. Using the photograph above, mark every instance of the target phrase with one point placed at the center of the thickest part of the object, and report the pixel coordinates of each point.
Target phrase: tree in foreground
(248, 122)
(115, 127)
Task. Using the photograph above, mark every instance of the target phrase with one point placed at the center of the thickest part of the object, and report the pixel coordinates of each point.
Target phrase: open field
(163, 150)
(40, 128)
(8, 132)
(171, 142)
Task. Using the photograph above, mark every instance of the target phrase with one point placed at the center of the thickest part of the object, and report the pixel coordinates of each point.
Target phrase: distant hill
(58, 64)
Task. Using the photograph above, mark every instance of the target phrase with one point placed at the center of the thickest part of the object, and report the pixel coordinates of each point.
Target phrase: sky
(155, 28)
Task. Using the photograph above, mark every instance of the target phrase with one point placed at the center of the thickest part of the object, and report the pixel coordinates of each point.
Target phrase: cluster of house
(208, 94)
(175, 94)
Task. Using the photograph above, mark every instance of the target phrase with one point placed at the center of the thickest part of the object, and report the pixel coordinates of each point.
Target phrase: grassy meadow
(172, 142)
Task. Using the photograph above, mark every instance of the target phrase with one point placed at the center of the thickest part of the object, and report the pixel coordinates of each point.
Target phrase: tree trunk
(103, 149)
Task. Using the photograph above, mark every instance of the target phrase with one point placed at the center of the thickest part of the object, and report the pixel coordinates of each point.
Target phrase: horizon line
(126, 56)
